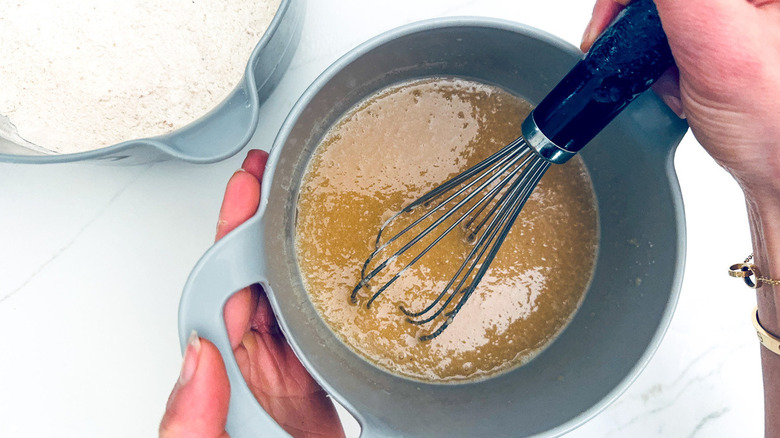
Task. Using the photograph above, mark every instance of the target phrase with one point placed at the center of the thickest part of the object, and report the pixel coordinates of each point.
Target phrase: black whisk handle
(623, 62)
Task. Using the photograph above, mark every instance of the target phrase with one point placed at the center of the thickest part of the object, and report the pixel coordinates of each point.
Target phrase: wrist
(764, 218)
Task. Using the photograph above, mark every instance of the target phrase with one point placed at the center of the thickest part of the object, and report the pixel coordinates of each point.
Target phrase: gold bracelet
(768, 340)
(745, 270)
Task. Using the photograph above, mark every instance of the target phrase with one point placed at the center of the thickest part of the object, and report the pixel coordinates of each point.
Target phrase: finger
(198, 404)
(238, 314)
(242, 194)
(285, 389)
(264, 320)
(667, 87)
(762, 3)
(280, 382)
(604, 11)
(242, 197)
(255, 162)
(257, 315)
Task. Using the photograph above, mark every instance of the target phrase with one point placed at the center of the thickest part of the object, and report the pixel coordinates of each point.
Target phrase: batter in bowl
(387, 151)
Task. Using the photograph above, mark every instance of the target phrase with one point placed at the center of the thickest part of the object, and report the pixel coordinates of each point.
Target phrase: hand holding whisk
(484, 201)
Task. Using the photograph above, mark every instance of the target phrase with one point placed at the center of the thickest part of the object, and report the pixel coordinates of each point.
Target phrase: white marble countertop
(93, 259)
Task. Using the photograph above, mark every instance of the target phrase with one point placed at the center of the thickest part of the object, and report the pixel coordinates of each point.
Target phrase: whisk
(486, 199)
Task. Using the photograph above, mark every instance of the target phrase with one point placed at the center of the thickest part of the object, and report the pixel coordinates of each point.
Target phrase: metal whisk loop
(517, 145)
(491, 194)
(427, 230)
(475, 230)
(517, 198)
(502, 160)
(502, 156)
(493, 238)
(469, 257)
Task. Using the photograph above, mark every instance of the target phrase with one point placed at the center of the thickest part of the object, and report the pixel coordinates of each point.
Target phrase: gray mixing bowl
(622, 319)
(222, 132)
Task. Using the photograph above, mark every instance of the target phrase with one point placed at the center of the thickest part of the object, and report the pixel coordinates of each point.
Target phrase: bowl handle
(230, 265)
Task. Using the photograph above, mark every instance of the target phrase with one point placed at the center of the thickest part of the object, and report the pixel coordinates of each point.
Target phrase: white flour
(78, 75)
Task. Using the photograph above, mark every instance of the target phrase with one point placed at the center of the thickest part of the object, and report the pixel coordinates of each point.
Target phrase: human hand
(727, 81)
(198, 404)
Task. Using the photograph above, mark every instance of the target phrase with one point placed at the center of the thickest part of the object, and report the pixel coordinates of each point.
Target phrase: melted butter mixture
(388, 151)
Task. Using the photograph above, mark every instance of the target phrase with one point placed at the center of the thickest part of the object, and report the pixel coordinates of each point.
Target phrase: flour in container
(78, 75)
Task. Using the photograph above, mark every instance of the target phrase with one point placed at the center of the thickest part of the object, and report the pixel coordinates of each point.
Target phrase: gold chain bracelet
(746, 270)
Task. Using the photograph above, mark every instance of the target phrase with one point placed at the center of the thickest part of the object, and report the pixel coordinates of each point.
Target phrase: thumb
(198, 404)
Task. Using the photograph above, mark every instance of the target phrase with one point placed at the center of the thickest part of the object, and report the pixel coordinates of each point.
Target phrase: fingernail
(238, 171)
(190, 362)
(588, 35)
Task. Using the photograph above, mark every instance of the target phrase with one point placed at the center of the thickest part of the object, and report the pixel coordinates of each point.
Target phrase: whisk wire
(497, 159)
(427, 230)
(501, 200)
(505, 160)
(508, 214)
(515, 194)
(504, 182)
(488, 237)
(517, 145)
(469, 257)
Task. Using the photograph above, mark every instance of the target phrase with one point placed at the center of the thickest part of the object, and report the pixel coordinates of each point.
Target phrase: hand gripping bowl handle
(230, 265)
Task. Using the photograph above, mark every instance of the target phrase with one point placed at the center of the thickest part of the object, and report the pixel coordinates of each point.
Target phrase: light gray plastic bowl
(215, 136)
(621, 322)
